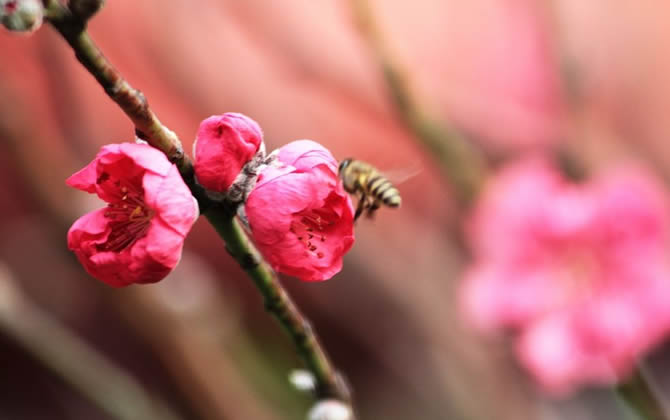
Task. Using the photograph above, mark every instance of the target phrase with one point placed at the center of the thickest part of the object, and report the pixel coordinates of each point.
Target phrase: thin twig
(460, 161)
(134, 104)
(654, 387)
(94, 376)
(73, 28)
(639, 395)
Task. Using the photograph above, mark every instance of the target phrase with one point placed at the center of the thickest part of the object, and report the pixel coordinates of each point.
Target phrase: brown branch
(147, 125)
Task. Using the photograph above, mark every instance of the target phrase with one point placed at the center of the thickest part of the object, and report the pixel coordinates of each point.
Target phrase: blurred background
(511, 76)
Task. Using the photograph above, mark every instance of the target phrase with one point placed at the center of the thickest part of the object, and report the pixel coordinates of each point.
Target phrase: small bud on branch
(21, 15)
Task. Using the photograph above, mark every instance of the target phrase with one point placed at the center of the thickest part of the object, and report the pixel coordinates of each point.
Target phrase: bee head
(344, 164)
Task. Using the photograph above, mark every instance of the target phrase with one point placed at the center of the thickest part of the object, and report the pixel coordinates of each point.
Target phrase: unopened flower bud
(21, 15)
(303, 380)
(330, 410)
(224, 145)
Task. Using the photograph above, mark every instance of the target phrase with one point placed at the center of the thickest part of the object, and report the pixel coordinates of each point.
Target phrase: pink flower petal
(551, 351)
(88, 228)
(305, 154)
(85, 179)
(147, 158)
(171, 199)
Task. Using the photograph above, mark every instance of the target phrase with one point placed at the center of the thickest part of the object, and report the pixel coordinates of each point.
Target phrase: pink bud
(224, 144)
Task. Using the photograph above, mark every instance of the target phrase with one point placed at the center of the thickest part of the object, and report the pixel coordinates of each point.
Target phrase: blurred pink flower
(138, 237)
(224, 144)
(299, 214)
(578, 271)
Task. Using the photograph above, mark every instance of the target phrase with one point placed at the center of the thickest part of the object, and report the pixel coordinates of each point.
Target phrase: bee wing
(400, 175)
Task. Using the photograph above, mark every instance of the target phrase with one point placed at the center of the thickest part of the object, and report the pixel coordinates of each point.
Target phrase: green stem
(329, 382)
(638, 394)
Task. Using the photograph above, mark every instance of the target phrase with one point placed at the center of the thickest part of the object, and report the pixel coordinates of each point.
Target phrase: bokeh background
(512, 76)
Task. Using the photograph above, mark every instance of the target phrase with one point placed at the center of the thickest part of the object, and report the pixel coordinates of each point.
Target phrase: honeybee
(373, 189)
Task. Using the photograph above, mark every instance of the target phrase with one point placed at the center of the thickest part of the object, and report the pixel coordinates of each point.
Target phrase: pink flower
(579, 272)
(300, 217)
(224, 144)
(139, 236)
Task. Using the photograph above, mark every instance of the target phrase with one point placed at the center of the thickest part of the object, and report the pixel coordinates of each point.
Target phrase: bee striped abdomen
(381, 189)
(391, 197)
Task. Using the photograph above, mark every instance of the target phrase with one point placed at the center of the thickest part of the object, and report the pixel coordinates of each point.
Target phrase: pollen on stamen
(138, 213)
(308, 230)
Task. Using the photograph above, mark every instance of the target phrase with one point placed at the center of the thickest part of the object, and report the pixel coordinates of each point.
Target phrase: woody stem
(72, 27)
(131, 101)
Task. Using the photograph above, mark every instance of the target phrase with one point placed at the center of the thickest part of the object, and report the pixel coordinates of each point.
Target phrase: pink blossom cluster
(296, 208)
(578, 272)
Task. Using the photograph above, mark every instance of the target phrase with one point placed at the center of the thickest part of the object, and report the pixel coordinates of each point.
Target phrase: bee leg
(372, 208)
(361, 206)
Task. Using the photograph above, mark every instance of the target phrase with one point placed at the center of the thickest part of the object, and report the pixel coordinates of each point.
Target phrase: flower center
(128, 217)
(580, 270)
(309, 228)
